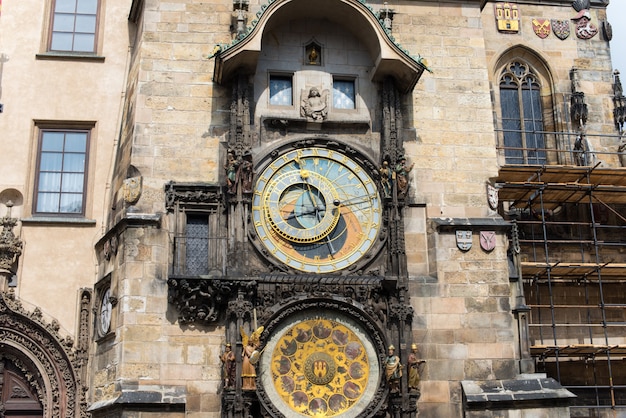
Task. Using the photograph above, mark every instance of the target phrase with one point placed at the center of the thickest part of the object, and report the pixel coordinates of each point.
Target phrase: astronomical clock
(305, 268)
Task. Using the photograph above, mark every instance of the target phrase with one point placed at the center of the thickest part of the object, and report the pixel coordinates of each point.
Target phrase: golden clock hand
(317, 215)
(353, 201)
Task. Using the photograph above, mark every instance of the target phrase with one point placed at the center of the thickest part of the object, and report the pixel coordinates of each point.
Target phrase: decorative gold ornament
(320, 367)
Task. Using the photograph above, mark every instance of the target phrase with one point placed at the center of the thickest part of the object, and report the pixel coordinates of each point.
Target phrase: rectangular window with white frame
(74, 25)
(61, 174)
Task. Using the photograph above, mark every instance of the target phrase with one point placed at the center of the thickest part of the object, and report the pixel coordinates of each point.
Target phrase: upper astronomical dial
(316, 210)
(300, 208)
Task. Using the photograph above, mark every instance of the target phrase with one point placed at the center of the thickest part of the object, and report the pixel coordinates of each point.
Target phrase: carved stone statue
(393, 370)
(245, 173)
(10, 245)
(314, 105)
(231, 167)
(239, 173)
(385, 178)
(413, 364)
(402, 177)
(229, 366)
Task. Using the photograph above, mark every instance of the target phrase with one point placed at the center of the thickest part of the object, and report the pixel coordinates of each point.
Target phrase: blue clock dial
(316, 210)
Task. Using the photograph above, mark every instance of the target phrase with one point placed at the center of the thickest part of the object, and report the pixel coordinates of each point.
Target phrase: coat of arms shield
(464, 240)
(488, 240)
(560, 27)
(541, 27)
(492, 197)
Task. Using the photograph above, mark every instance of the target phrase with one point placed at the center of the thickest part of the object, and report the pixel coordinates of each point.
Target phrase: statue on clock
(229, 366)
(239, 172)
(402, 177)
(314, 104)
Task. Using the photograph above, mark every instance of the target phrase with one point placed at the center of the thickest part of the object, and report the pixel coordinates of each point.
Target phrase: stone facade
(168, 261)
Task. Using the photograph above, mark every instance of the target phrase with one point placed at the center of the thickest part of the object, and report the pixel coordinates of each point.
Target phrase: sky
(616, 14)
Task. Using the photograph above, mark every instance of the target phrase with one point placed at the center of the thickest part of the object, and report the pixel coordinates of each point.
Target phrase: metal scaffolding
(572, 240)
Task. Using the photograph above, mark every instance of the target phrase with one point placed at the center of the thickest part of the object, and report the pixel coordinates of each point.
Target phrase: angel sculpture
(251, 356)
(314, 104)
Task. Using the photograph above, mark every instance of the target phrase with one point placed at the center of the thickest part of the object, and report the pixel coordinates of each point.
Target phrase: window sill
(69, 56)
(47, 220)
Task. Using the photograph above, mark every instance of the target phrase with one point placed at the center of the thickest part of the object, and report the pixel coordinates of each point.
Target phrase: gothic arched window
(522, 116)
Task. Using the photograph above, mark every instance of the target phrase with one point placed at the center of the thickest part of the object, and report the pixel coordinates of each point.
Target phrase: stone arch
(539, 64)
(47, 361)
(389, 58)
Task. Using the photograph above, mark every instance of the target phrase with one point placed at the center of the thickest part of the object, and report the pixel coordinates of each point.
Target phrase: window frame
(87, 129)
(72, 52)
(215, 240)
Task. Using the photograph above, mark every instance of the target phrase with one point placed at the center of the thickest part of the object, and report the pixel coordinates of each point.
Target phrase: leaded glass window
(197, 237)
(522, 116)
(202, 249)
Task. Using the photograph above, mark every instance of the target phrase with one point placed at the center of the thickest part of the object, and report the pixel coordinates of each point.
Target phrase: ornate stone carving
(192, 194)
(578, 109)
(314, 104)
(239, 139)
(392, 152)
(195, 300)
(239, 173)
(53, 378)
(10, 245)
(619, 102)
(132, 190)
(584, 28)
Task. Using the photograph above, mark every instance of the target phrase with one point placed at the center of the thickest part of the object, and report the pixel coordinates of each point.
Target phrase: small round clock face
(316, 210)
(105, 312)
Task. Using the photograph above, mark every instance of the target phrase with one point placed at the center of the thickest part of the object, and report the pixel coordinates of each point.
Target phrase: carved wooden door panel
(16, 396)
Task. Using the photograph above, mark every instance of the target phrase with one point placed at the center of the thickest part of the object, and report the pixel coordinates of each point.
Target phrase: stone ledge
(47, 220)
(69, 56)
(167, 396)
(527, 391)
(451, 224)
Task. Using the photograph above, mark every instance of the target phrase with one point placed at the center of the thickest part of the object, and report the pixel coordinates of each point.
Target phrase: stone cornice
(594, 3)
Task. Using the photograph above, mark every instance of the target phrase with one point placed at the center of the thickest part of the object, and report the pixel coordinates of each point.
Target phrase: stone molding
(52, 364)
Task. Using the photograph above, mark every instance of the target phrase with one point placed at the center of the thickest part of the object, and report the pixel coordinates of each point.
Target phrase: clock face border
(105, 313)
(340, 243)
(105, 302)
